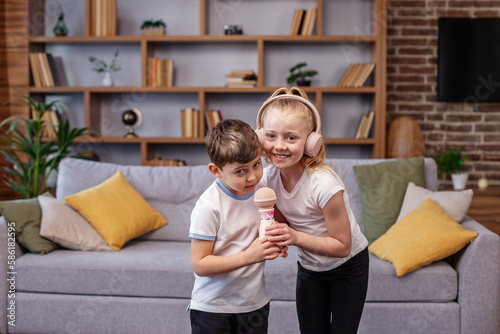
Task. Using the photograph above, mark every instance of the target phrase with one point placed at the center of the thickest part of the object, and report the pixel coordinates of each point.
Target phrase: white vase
(107, 81)
(459, 181)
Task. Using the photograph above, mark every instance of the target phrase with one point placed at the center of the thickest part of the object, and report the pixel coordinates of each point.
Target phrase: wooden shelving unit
(148, 45)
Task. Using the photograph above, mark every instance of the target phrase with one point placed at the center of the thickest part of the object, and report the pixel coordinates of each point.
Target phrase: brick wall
(411, 85)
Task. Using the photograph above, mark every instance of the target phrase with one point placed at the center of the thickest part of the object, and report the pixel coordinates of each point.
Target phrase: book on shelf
(298, 17)
(356, 75)
(364, 125)
(190, 123)
(103, 17)
(165, 162)
(212, 117)
(160, 72)
(309, 20)
(35, 74)
(241, 78)
(303, 22)
(51, 123)
(43, 70)
(369, 124)
(361, 122)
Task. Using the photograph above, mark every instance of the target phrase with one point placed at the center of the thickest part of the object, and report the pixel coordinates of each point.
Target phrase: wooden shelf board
(152, 140)
(349, 141)
(191, 89)
(204, 38)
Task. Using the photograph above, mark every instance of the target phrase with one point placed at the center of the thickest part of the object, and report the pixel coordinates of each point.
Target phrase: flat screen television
(468, 60)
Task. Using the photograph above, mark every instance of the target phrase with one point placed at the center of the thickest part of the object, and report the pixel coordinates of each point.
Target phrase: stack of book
(356, 75)
(162, 162)
(160, 72)
(212, 117)
(365, 125)
(241, 79)
(303, 22)
(43, 69)
(190, 122)
(102, 17)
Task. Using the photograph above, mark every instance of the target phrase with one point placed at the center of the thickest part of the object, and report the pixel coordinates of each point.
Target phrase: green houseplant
(450, 161)
(30, 157)
(154, 27)
(299, 76)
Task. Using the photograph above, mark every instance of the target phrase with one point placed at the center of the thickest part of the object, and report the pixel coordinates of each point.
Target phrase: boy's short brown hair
(232, 140)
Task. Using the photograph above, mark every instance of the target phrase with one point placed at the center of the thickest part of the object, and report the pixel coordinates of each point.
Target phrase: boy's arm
(206, 264)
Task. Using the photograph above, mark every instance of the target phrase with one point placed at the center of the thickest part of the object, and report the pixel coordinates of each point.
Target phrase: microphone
(264, 199)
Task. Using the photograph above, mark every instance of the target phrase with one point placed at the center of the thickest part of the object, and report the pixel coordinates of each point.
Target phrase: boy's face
(240, 178)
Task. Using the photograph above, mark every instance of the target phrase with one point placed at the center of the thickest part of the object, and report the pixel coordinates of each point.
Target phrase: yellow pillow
(116, 211)
(420, 238)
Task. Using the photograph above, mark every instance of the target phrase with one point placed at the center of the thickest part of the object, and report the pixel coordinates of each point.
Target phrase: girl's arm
(337, 244)
(206, 264)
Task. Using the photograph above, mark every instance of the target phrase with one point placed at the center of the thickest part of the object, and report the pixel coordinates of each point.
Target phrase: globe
(129, 117)
(132, 118)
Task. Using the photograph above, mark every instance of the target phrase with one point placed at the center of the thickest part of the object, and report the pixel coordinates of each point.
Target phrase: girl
(332, 274)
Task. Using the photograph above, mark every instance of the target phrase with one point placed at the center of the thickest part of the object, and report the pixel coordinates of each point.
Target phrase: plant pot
(459, 181)
(302, 82)
(154, 32)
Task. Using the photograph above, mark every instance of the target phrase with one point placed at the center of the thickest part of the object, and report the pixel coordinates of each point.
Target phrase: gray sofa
(145, 287)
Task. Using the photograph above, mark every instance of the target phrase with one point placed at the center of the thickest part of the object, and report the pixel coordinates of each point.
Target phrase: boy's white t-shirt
(231, 221)
(303, 210)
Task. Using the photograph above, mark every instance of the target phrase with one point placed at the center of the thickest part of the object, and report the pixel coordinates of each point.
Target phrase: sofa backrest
(173, 191)
(346, 173)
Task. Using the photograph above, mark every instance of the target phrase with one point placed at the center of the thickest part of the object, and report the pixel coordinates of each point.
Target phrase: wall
(411, 85)
(412, 57)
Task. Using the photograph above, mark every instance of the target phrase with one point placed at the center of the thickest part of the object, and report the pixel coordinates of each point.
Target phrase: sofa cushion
(67, 228)
(454, 203)
(163, 269)
(116, 210)
(26, 214)
(382, 187)
(420, 238)
(164, 188)
(437, 282)
(141, 268)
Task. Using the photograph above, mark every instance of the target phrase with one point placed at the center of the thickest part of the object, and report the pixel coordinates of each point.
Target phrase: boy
(229, 293)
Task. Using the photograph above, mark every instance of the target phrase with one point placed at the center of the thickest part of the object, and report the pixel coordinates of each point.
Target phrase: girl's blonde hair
(309, 163)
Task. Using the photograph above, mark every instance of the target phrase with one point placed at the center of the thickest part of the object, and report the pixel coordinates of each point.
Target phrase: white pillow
(66, 227)
(454, 203)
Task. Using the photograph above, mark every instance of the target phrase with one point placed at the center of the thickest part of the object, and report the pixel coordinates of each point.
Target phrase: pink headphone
(315, 139)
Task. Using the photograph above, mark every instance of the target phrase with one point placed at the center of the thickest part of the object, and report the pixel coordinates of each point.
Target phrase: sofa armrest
(478, 268)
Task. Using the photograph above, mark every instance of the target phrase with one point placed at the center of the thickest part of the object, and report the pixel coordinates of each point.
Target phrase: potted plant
(154, 27)
(31, 157)
(101, 66)
(450, 161)
(300, 76)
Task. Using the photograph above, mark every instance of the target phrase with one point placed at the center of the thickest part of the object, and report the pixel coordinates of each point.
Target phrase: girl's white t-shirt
(303, 209)
(231, 221)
